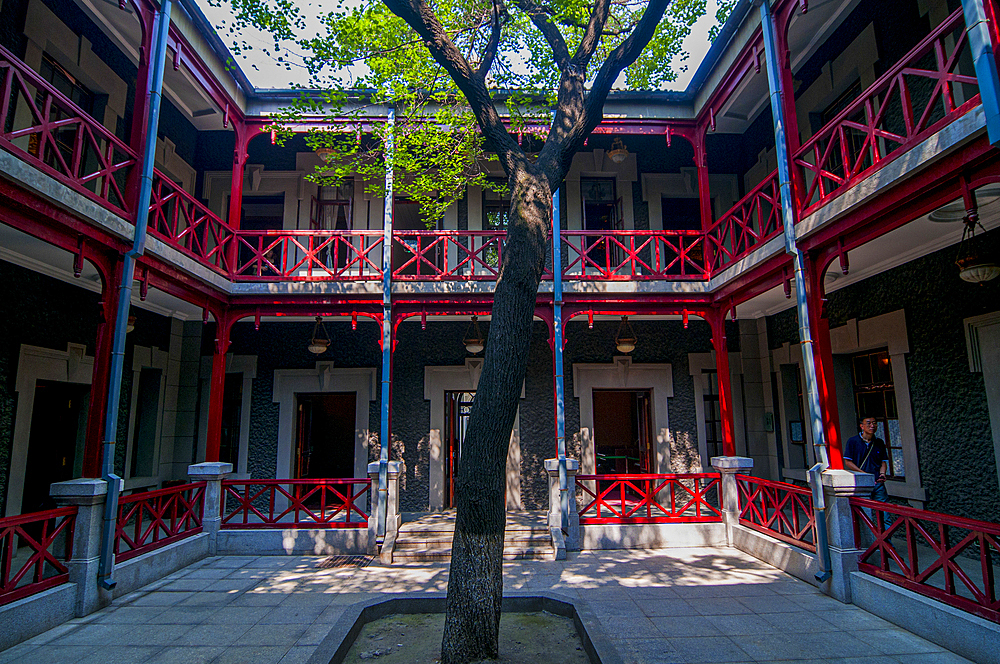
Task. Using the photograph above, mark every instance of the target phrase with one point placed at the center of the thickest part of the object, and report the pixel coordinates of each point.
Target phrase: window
(875, 396)
(795, 432)
(496, 207)
(65, 136)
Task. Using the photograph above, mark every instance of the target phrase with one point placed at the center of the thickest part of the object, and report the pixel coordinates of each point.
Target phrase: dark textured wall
(50, 313)
(950, 416)
(283, 346)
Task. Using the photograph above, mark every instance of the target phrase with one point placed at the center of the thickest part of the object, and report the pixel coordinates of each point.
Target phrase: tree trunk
(475, 582)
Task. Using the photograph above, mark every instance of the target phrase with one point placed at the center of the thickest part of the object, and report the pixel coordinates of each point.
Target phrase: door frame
(437, 381)
(35, 363)
(622, 374)
(323, 378)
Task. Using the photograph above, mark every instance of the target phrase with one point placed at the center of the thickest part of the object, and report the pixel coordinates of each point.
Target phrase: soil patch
(415, 638)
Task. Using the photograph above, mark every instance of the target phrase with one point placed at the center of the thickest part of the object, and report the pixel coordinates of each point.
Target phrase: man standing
(866, 453)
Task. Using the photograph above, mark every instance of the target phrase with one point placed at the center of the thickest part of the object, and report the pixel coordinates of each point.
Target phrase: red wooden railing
(783, 511)
(634, 255)
(926, 552)
(308, 503)
(754, 220)
(923, 92)
(34, 550)
(693, 498)
(147, 521)
(308, 255)
(447, 255)
(42, 126)
(185, 223)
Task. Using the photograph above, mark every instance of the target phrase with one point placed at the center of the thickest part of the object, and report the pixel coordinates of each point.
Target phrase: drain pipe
(557, 340)
(383, 459)
(802, 306)
(159, 56)
(985, 63)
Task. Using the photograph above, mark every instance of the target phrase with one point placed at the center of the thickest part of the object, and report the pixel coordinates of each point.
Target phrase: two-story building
(671, 216)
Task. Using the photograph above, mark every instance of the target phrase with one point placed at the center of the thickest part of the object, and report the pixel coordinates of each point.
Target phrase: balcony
(930, 87)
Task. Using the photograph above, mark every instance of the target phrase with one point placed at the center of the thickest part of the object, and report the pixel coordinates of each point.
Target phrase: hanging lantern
(320, 340)
(618, 151)
(474, 341)
(324, 153)
(130, 325)
(972, 267)
(625, 339)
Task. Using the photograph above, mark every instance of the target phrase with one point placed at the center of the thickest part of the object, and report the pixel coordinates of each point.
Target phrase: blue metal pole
(981, 48)
(802, 306)
(383, 460)
(155, 83)
(557, 334)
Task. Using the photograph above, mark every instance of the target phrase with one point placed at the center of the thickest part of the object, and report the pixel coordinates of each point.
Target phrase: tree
(450, 66)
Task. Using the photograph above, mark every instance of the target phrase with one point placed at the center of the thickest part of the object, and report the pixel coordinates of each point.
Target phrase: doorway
(458, 406)
(414, 254)
(622, 431)
(55, 444)
(325, 435)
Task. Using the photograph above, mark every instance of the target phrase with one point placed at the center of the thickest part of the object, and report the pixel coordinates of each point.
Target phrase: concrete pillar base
(393, 519)
(729, 468)
(88, 496)
(570, 538)
(212, 473)
(838, 487)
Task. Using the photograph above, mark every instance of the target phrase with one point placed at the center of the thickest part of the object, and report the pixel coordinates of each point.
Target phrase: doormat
(345, 561)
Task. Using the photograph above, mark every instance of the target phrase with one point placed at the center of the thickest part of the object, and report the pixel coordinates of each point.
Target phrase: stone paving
(663, 606)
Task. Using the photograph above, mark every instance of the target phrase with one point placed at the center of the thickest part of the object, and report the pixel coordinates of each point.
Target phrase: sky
(264, 72)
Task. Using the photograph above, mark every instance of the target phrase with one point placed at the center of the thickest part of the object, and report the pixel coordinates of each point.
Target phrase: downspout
(981, 47)
(159, 57)
(383, 459)
(802, 307)
(557, 341)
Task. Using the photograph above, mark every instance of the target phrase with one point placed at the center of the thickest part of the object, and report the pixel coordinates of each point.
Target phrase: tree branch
(592, 36)
(425, 22)
(540, 18)
(490, 53)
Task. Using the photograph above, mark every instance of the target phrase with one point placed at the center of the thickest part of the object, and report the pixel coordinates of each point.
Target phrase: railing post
(217, 387)
(571, 535)
(729, 467)
(393, 519)
(88, 496)
(838, 487)
(212, 473)
(717, 320)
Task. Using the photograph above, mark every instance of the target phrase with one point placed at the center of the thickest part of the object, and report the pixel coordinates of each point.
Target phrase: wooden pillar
(217, 386)
(717, 319)
(140, 107)
(792, 138)
(704, 193)
(239, 163)
(819, 330)
(111, 274)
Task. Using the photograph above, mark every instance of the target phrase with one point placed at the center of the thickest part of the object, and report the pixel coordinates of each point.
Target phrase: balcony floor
(668, 605)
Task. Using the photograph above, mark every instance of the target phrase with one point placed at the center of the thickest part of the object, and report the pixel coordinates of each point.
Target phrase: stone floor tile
(238, 615)
(770, 604)
(298, 655)
(646, 651)
(895, 641)
(684, 626)
(233, 562)
(135, 615)
(703, 649)
(210, 573)
(186, 655)
(804, 621)
(195, 585)
(18, 653)
(161, 598)
(252, 655)
(292, 615)
(272, 635)
(214, 635)
(183, 615)
(851, 618)
(217, 600)
(666, 608)
(817, 601)
(715, 606)
(43, 638)
(259, 599)
(58, 654)
(110, 654)
(738, 625)
(932, 658)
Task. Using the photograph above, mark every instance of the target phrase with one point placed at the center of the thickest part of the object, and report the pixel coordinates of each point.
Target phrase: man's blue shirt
(857, 448)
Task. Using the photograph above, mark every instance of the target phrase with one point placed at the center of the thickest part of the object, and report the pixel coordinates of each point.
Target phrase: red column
(140, 108)
(100, 381)
(819, 330)
(717, 319)
(704, 195)
(217, 387)
(239, 162)
(792, 139)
